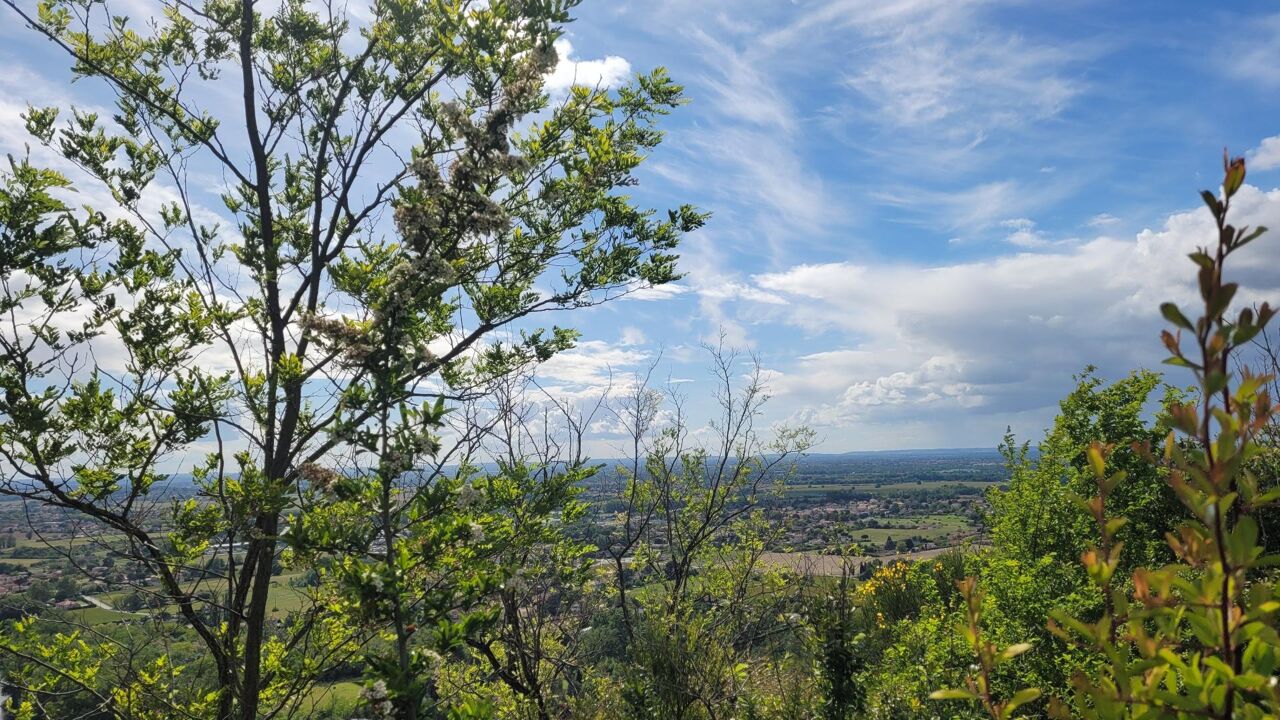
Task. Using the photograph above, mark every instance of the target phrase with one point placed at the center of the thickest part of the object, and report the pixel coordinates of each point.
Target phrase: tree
(132, 602)
(1218, 592)
(402, 201)
(710, 605)
(40, 591)
(840, 655)
(1038, 530)
(547, 597)
(1035, 516)
(1195, 637)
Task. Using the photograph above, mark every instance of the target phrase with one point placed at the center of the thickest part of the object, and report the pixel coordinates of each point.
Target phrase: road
(96, 602)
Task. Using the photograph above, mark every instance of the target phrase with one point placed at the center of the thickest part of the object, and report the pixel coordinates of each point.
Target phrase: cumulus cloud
(593, 364)
(632, 335)
(606, 72)
(657, 292)
(1023, 233)
(1267, 155)
(999, 336)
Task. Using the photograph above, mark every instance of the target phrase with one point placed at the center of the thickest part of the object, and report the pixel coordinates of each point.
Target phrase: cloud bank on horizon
(928, 214)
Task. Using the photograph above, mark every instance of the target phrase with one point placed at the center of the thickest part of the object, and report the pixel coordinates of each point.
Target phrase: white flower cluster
(320, 478)
(354, 342)
(396, 463)
(379, 700)
(468, 496)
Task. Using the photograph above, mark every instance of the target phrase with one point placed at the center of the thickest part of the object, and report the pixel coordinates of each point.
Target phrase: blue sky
(928, 215)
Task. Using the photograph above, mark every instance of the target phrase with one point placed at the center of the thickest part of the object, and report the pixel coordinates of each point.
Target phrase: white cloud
(1002, 336)
(942, 69)
(937, 78)
(632, 335)
(747, 150)
(970, 210)
(1023, 233)
(743, 90)
(1267, 155)
(718, 286)
(657, 292)
(1253, 52)
(606, 72)
(592, 364)
(763, 169)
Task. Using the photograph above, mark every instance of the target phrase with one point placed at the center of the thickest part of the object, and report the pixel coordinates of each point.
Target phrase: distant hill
(924, 452)
(858, 466)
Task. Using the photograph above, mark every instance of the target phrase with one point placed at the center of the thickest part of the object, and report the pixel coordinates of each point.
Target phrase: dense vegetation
(387, 522)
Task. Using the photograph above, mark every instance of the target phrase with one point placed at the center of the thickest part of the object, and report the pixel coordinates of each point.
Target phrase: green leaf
(1212, 201)
(952, 694)
(1014, 650)
(1175, 316)
(1246, 239)
(1020, 698)
(1096, 461)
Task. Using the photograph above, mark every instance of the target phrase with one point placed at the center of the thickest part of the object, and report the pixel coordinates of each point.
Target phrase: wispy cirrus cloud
(928, 83)
(936, 78)
(966, 211)
(1254, 51)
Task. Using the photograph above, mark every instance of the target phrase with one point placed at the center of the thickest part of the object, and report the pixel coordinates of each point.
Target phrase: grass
(333, 696)
(97, 616)
(24, 561)
(105, 538)
(282, 598)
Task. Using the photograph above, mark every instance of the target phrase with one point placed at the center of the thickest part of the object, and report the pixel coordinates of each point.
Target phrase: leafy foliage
(400, 199)
(346, 347)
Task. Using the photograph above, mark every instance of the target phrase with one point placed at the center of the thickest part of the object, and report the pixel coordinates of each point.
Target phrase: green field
(823, 489)
(282, 598)
(98, 616)
(24, 561)
(337, 696)
(100, 540)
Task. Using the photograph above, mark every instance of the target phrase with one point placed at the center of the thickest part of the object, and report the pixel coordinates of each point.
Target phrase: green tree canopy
(400, 201)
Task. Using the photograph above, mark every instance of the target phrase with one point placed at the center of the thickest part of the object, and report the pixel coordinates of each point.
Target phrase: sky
(927, 215)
